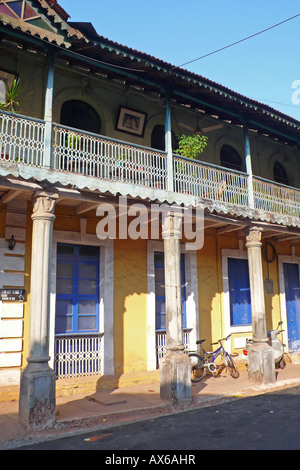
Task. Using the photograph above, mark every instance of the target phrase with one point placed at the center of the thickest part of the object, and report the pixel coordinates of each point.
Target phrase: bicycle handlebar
(220, 340)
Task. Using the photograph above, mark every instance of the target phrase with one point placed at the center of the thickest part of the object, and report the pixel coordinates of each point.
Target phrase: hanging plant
(191, 146)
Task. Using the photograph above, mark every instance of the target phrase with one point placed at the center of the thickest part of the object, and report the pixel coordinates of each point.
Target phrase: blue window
(239, 292)
(77, 289)
(292, 297)
(160, 301)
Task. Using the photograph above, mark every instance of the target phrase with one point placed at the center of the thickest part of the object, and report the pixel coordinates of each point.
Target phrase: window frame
(244, 330)
(76, 260)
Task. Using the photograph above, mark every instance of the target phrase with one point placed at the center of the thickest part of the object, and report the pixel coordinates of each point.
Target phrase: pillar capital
(43, 205)
(172, 225)
(253, 236)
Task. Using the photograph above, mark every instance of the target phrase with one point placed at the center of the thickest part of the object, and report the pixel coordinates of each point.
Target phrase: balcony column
(261, 363)
(37, 388)
(168, 146)
(48, 111)
(175, 367)
(248, 167)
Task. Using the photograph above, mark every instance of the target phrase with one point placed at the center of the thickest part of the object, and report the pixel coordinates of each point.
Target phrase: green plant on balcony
(73, 141)
(13, 93)
(191, 146)
(11, 104)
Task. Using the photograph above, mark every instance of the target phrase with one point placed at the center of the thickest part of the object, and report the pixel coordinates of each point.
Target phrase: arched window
(80, 115)
(158, 138)
(279, 174)
(230, 158)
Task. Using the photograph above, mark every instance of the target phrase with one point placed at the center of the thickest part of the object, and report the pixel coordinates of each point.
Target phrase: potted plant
(189, 146)
(11, 103)
(13, 92)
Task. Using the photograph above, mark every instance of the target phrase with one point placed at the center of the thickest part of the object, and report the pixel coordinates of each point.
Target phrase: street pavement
(106, 410)
(269, 421)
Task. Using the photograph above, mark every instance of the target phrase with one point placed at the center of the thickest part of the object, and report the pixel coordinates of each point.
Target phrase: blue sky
(176, 31)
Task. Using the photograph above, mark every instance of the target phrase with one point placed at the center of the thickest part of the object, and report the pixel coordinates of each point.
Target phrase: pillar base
(37, 397)
(175, 377)
(261, 363)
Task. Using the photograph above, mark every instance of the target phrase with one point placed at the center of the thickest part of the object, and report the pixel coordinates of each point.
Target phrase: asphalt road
(265, 422)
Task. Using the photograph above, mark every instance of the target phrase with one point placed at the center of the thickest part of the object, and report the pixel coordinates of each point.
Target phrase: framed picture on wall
(131, 121)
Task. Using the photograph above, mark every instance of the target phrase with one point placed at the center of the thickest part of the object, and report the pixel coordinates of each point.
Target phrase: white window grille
(161, 343)
(78, 355)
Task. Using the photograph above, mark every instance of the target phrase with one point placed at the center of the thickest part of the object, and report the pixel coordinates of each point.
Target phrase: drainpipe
(168, 145)
(48, 112)
(248, 167)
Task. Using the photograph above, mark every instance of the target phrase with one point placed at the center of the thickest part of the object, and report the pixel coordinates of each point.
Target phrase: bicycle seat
(200, 341)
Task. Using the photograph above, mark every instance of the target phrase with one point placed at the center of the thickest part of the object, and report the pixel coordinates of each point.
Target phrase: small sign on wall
(12, 295)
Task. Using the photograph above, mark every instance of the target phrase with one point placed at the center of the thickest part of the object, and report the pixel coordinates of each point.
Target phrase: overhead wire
(236, 42)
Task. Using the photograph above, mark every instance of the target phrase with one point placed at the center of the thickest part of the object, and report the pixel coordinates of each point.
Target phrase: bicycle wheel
(198, 369)
(233, 370)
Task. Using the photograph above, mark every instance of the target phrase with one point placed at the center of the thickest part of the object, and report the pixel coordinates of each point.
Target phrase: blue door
(239, 292)
(292, 297)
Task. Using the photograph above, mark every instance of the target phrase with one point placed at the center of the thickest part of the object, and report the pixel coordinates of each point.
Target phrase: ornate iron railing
(21, 139)
(209, 181)
(275, 197)
(161, 343)
(102, 157)
(78, 355)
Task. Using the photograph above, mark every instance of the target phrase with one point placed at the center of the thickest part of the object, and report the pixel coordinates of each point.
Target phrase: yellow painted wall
(210, 285)
(130, 305)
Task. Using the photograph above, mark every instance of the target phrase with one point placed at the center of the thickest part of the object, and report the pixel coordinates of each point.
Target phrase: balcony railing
(22, 140)
(275, 197)
(102, 157)
(209, 181)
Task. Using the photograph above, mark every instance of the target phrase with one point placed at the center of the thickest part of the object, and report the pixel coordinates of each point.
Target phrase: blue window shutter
(239, 292)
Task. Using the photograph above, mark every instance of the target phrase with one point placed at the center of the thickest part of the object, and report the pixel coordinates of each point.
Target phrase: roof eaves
(198, 80)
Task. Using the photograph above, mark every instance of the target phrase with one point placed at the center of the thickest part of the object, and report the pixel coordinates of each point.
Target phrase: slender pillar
(168, 145)
(248, 167)
(37, 388)
(261, 364)
(48, 111)
(175, 367)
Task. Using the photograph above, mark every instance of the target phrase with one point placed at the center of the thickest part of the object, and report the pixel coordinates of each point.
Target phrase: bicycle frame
(211, 365)
(206, 360)
(212, 356)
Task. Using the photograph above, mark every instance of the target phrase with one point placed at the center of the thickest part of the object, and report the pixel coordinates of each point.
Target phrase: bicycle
(206, 361)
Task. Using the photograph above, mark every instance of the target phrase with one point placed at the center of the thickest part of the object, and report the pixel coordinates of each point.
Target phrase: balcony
(22, 143)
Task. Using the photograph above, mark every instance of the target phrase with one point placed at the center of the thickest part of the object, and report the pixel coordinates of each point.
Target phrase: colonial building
(95, 284)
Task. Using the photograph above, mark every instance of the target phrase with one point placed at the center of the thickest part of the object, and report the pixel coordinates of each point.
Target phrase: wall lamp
(11, 243)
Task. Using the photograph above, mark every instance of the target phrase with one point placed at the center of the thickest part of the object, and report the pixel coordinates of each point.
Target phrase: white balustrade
(78, 355)
(276, 198)
(21, 139)
(209, 181)
(101, 157)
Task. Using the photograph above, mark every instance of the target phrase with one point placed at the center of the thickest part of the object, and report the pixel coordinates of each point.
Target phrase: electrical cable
(237, 42)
